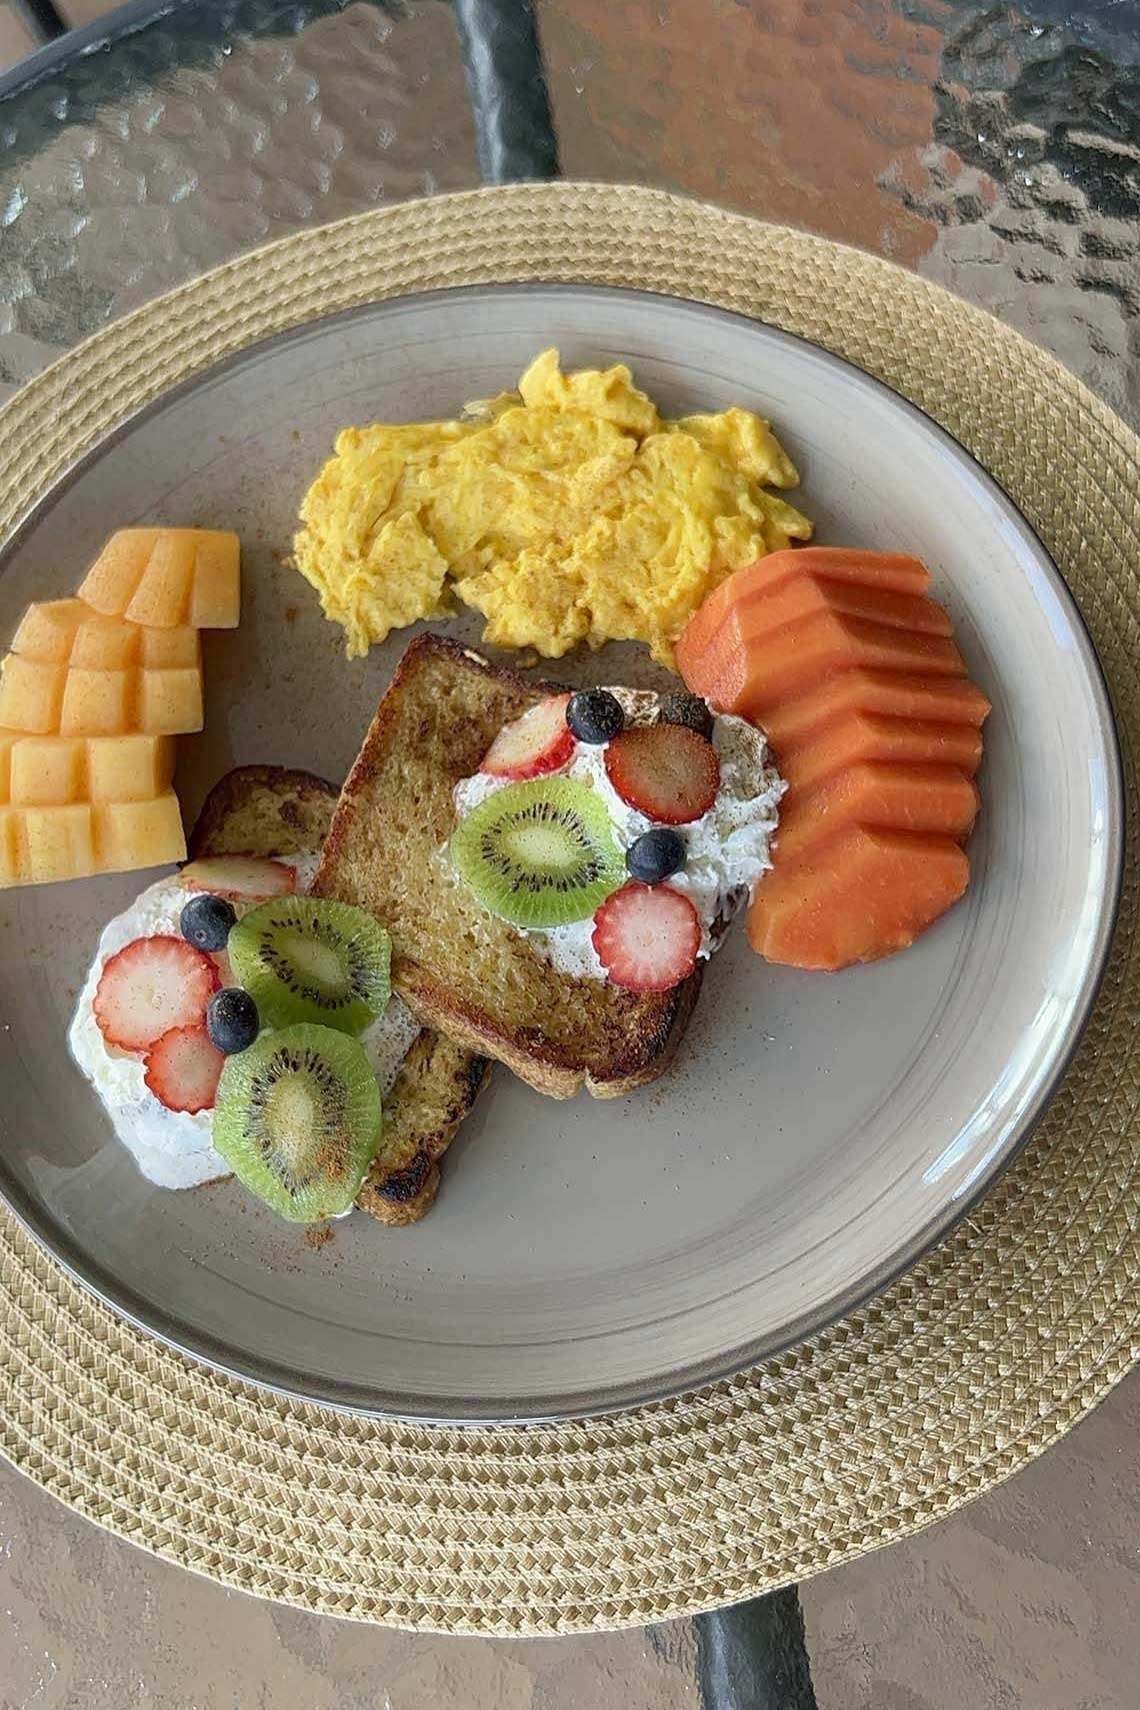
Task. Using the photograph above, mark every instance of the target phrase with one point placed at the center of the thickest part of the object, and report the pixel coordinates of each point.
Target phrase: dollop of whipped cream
(174, 1148)
(727, 849)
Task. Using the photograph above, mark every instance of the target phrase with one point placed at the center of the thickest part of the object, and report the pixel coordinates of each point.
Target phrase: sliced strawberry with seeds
(667, 771)
(239, 878)
(150, 986)
(647, 937)
(183, 1069)
(531, 746)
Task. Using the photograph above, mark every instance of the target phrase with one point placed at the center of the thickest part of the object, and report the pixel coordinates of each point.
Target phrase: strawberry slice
(647, 937)
(150, 986)
(531, 746)
(239, 878)
(666, 771)
(183, 1069)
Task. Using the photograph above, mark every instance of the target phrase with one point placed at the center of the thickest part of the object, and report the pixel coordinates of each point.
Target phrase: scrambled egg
(566, 512)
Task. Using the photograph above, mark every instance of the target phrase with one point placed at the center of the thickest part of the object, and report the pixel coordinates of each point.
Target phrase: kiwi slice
(539, 854)
(304, 959)
(298, 1120)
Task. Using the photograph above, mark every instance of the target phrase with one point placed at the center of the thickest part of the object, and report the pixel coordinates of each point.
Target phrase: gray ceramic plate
(816, 1133)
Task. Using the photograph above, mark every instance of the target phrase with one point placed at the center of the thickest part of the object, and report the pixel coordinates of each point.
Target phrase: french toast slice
(457, 967)
(271, 810)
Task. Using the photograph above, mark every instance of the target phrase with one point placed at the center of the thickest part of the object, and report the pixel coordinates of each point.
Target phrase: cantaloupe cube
(129, 768)
(98, 703)
(8, 741)
(59, 843)
(31, 694)
(48, 771)
(47, 630)
(162, 598)
(216, 600)
(110, 583)
(105, 643)
(170, 649)
(139, 834)
(13, 857)
(170, 702)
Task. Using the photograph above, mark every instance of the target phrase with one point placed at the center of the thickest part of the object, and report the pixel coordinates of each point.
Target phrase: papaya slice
(891, 694)
(866, 893)
(795, 660)
(855, 736)
(931, 799)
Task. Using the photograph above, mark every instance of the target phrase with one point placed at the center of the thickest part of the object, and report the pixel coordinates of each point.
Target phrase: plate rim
(361, 1399)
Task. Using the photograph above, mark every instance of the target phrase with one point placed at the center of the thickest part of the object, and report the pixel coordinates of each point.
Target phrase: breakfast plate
(816, 1132)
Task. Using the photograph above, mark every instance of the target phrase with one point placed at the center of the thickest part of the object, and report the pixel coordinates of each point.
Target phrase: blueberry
(206, 920)
(232, 1020)
(656, 855)
(689, 710)
(594, 715)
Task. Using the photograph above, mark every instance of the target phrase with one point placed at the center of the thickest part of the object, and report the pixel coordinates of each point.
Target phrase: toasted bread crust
(275, 810)
(473, 977)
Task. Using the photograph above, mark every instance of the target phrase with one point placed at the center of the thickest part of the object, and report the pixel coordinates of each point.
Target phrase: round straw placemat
(979, 1359)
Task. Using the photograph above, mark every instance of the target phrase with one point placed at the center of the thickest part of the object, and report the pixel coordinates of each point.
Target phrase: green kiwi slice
(304, 959)
(298, 1120)
(541, 853)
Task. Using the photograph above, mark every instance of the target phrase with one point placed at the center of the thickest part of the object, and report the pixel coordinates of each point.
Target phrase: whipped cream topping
(174, 1148)
(727, 849)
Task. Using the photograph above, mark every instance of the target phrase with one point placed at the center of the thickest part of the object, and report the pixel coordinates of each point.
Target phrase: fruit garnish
(666, 771)
(206, 920)
(540, 853)
(151, 986)
(594, 715)
(647, 937)
(305, 959)
(239, 878)
(657, 854)
(183, 1068)
(687, 710)
(232, 1020)
(536, 743)
(298, 1120)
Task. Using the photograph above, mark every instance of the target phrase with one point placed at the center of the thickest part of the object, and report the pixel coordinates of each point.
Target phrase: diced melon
(166, 649)
(13, 857)
(129, 768)
(58, 843)
(162, 598)
(105, 644)
(896, 798)
(170, 702)
(866, 895)
(47, 630)
(31, 694)
(215, 602)
(110, 583)
(98, 703)
(856, 736)
(47, 771)
(139, 834)
(893, 694)
(8, 741)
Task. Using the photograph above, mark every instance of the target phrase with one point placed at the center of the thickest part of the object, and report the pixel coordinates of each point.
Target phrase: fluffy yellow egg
(568, 511)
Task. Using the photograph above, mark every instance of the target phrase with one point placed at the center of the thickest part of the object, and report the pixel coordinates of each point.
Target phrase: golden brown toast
(459, 968)
(270, 810)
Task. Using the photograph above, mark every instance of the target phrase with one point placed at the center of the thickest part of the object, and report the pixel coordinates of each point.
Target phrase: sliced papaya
(855, 736)
(891, 694)
(890, 572)
(865, 894)
(932, 799)
(797, 658)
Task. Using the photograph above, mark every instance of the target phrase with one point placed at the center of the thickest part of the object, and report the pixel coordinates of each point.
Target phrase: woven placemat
(975, 1362)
